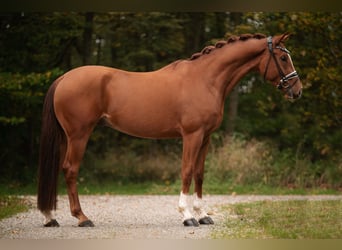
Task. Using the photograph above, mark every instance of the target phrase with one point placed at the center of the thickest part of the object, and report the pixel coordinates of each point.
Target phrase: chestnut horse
(184, 99)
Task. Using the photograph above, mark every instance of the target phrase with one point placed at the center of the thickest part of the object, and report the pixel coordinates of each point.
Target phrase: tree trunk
(194, 32)
(235, 19)
(87, 37)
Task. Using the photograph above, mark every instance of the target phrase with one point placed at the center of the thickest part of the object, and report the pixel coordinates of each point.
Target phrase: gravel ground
(126, 217)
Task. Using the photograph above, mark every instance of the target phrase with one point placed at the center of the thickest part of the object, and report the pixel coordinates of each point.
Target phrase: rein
(283, 84)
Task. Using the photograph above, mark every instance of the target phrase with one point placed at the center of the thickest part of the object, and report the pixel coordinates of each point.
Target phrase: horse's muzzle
(291, 96)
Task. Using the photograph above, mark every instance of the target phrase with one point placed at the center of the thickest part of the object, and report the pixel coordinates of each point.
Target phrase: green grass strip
(282, 220)
(10, 205)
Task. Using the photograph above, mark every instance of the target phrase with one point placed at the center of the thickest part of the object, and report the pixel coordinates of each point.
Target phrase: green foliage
(37, 42)
(314, 122)
(147, 41)
(305, 136)
(21, 98)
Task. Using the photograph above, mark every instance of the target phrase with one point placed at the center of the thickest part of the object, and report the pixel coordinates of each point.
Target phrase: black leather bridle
(283, 83)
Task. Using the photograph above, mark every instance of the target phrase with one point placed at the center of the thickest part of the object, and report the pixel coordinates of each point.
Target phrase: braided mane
(220, 44)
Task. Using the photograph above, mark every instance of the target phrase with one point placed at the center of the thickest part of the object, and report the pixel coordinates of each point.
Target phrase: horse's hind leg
(50, 220)
(75, 150)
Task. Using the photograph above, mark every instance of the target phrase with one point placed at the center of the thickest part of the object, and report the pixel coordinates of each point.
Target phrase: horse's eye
(283, 58)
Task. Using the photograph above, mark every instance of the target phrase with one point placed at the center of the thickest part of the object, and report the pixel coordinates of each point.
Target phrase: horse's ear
(282, 38)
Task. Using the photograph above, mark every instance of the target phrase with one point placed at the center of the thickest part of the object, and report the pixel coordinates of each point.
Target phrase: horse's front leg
(191, 149)
(204, 218)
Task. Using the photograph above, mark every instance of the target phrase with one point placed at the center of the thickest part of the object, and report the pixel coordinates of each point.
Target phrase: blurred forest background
(263, 139)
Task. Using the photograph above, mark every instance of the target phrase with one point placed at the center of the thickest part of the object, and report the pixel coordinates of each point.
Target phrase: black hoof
(206, 221)
(191, 223)
(86, 223)
(52, 223)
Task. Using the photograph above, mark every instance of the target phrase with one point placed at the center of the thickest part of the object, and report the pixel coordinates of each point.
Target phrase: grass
(10, 205)
(166, 187)
(282, 220)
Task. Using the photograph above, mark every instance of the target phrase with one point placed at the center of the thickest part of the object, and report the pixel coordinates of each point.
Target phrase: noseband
(283, 84)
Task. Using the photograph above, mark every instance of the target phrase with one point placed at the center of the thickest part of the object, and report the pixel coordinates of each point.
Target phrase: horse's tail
(51, 141)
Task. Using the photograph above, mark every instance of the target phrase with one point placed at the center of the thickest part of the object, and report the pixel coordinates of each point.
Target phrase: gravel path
(126, 217)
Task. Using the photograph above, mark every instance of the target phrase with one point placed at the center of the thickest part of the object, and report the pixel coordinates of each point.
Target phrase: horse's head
(278, 67)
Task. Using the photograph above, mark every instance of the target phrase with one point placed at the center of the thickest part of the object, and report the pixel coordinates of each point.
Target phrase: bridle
(283, 83)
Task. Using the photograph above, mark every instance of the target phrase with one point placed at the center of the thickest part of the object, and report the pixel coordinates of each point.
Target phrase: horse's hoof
(52, 223)
(191, 223)
(206, 220)
(86, 223)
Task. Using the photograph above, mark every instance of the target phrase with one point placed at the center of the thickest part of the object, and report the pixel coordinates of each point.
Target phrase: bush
(249, 162)
(236, 160)
(127, 165)
(240, 161)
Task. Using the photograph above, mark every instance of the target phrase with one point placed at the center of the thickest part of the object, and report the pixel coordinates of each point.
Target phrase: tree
(314, 122)
(35, 48)
(35, 42)
(32, 46)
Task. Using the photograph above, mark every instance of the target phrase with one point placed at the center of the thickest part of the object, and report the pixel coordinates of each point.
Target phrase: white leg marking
(183, 206)
(198, 207)
(48, 216)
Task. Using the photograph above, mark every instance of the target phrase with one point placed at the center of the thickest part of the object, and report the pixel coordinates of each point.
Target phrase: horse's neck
(230, 63)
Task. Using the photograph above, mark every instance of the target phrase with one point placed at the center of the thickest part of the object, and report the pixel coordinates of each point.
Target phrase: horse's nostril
(296, 96)
(300, 93)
